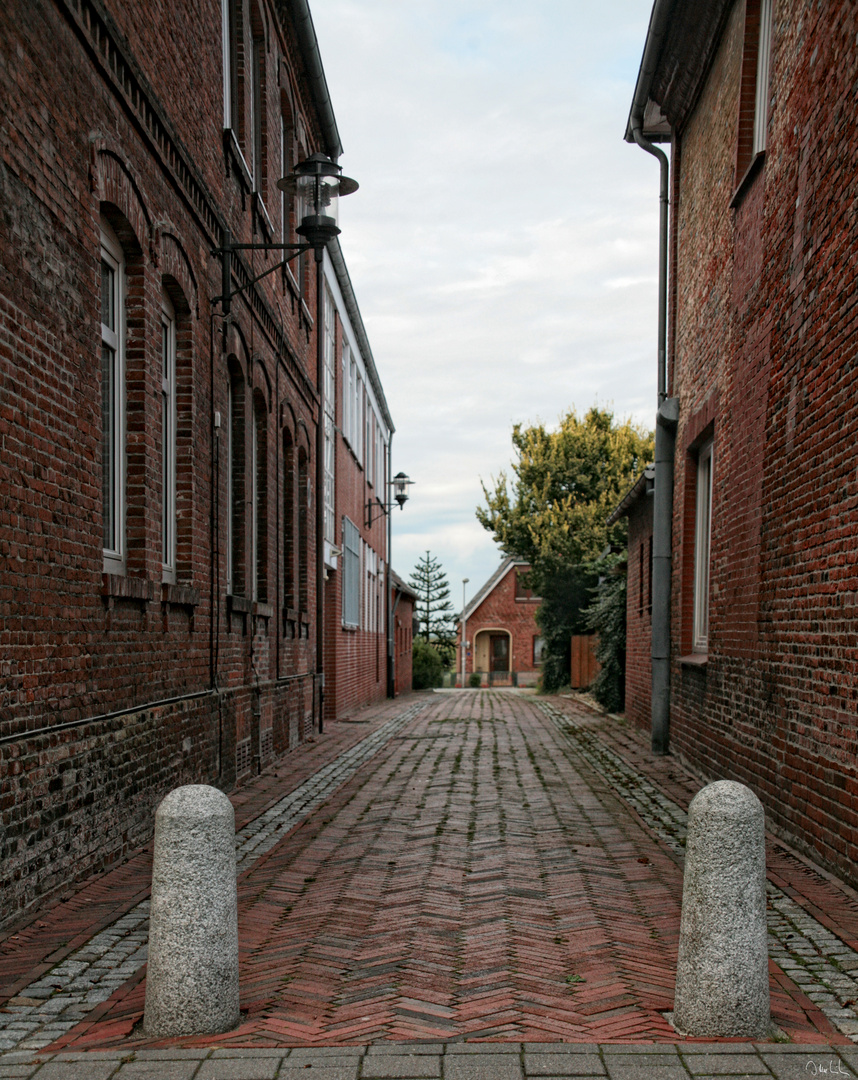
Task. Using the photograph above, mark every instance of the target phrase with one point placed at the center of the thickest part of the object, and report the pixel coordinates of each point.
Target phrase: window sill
(747, 180)
(179, 595)
(694, 660)
(119, 587)
(238, 604)
(265, 611)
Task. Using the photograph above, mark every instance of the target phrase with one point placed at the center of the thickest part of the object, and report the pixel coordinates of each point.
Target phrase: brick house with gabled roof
(503, 640)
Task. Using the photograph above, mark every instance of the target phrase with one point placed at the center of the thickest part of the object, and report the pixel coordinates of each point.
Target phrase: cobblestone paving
(816, 960)
(55, 1003)
(448, 1061)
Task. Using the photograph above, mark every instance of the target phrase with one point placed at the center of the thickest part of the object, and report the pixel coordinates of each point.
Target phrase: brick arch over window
(114, 183)
(173, 261)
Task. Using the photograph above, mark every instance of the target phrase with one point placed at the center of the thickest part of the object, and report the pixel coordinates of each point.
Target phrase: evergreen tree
(434, 608)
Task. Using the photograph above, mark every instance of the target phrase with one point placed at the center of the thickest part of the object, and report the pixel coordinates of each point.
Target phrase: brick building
(756, 486)
(504, 644)
(636, 505)
(160, 510)
(403, 601)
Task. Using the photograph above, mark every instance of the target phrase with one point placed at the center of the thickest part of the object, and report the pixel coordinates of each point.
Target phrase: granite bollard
(722, 976)
(192, 976)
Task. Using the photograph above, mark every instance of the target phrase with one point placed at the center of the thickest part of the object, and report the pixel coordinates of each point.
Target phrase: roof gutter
(309, 45)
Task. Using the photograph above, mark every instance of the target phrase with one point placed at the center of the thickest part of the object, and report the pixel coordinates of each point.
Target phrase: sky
(503, 243)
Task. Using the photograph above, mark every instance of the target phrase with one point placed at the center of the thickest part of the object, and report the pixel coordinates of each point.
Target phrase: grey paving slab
(563, 1064)
(401, 1066)
(174, 1053)
(397, 1048)
(726, 1064)
(7, 1072)
(653, 1050)
(78, 1070)
(803, 1066)
(645, 1068)
(561, 1048)
(303, 1052)
(157, 1070)
(239, 1069)
(488, 1068)
(452, 1049)
(318, 1072)
(249, 1052)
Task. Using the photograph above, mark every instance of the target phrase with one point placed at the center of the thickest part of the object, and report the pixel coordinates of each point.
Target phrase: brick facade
(763, 350)
(121, 680)
(403, 603)
(505, 609)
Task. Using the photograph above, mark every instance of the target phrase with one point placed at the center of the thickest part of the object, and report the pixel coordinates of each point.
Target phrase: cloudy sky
(502, 245)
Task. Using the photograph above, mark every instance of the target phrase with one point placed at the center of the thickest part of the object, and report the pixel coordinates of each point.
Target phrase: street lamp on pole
(464, 628)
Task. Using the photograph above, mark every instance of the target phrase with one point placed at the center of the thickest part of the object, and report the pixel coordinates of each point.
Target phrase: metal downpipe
(665, 445)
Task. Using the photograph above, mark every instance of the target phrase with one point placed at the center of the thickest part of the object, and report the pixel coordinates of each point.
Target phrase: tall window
(351, 574)
(755, 85)
(259, 499)
(257, 102)
(229, 71)
(702, 546)
(330, 414)
(761, 96)
(235, 480)
(168, 439)
(304, 493)
(112, 401)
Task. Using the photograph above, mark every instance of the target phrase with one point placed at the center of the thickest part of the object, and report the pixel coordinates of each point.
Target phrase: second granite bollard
(722, 976)
(192, 976)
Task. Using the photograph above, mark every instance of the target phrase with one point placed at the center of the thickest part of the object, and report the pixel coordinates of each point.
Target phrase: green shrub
(475, 678)
(426, 666)
(607, 616)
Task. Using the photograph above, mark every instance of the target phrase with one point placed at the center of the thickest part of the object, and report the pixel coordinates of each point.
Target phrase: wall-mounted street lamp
(400, 484)
(317, 184)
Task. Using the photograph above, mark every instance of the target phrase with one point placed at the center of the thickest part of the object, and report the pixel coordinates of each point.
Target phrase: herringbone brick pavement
(476, 879)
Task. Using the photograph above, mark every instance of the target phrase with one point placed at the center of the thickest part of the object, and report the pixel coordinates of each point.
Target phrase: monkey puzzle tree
(434, 608)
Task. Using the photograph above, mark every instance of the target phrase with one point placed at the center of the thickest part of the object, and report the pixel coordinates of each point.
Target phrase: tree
(426, 666)
(553, 513)
(434, 608)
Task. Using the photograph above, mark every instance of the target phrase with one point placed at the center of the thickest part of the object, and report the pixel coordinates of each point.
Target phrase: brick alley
(470, 865)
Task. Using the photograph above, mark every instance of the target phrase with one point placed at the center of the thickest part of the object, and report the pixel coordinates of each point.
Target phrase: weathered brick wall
(764, 357)
(115, 688)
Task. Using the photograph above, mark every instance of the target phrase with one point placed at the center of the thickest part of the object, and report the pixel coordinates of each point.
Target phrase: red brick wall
(113, 689)
(403, 624)
(765, 352)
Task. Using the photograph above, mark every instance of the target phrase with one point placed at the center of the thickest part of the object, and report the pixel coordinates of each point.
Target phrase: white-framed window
(761, 98)
(330, 414)
(257, 105)
(168, 440)
(112, 400)
(228, 79)
(347, 435)
(702, 546)
(351, 573)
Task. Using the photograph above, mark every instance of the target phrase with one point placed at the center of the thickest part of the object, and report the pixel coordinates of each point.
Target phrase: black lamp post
(317, 184)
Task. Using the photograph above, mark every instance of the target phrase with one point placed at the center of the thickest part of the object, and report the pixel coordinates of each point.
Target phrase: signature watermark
(832, 1067)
